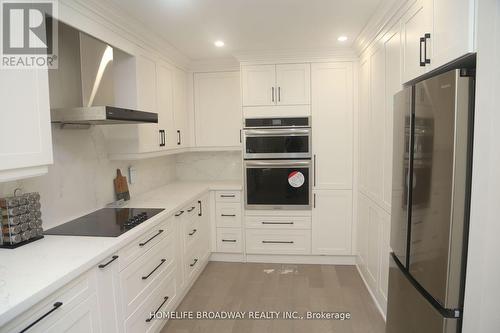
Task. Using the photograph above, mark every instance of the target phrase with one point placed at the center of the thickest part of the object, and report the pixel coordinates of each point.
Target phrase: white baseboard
(375, 300)
(301, 259)
(228, 257)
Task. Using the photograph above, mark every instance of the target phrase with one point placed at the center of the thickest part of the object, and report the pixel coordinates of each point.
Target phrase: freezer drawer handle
(56, 306)
(193, 232)
(113, 258)
(277, 242)
(228, 215)
(154, 270)
(277, 222)
(149, 240)
(229, 240)
(165, 299)
(194, 262)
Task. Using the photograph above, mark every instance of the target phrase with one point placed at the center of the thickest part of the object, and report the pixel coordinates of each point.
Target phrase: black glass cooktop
(105, 222)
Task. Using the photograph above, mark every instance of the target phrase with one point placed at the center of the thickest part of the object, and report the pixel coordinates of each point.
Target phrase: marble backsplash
(209, 166)
(81, 178)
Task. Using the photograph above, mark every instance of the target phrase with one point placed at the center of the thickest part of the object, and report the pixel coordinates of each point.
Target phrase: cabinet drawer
(137, 280)
(273, 241)
(191, 230)
(228, 214)
(143, 243)
(278, 222)
(70, 296)
(229, 240)
(228, 196)
(161, 299)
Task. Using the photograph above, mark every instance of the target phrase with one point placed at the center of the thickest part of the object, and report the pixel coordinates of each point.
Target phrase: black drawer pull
(191, 209)
(165, 299)
(277, 242)
(194, 262)
(229, 240)
(154, 270)
(199, 204)
(277, 222)
(179, 213)
(193, 232)
(228, 215)
(113, 258)
(227, 195)
(149, 240)
(56, 306)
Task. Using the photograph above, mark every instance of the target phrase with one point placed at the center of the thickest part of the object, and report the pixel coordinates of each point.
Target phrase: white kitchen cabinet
(293, 84)
(83, 318)
(25, 130)
(332, 122)
(332, 222)
(165, 106)
(415, 24)
(181, 117)
(109, 294)
(217, 108)
(258, 85)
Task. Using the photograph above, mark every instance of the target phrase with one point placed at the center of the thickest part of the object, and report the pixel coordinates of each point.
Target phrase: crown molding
(214, 65)
(384, 17)
(120, 22)
(298, 55)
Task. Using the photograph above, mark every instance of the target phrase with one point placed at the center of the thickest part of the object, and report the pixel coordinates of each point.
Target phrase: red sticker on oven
(296, 179)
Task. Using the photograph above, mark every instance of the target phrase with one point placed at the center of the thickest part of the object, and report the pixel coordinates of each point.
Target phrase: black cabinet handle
(56, 306)
(191, 209)
(154, 270)
(165, 299)
(314, 200)
(200, 213)
(277, 222)
(229, 240)
(113, 258)
(277, 242)
(272, 94)
(240, 136)
(427, 36)
(314, 170)
(161, 137)
(194, 262)
(422, 59)
(179, 213)
(149, 240)
(228, 215)
(178, 137)
(192, 232)
(279, 94)
(227, 196)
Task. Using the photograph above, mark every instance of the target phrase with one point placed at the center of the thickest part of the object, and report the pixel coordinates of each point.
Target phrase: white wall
(209, 166)
(81, 178)
(482, 290)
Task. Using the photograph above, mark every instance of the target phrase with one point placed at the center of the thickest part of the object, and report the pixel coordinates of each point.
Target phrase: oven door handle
(278, 132)
(283, 163)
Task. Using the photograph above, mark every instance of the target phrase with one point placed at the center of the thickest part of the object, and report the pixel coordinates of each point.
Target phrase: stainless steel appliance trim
(277, 164)
(277, 127)
(277, 132)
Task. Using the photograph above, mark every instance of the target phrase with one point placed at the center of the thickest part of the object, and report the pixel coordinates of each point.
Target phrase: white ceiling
(250, 26)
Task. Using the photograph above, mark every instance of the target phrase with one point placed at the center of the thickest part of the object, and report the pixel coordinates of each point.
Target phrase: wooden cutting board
(121, 186)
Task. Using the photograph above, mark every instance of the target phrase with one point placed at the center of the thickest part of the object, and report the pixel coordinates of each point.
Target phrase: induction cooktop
(105, 222)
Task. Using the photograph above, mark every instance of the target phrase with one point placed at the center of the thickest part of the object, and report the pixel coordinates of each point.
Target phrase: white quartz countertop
(32, 272)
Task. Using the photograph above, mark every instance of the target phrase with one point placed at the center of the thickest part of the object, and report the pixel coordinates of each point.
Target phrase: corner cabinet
(25, 129)
(217, 109)
(274, 90)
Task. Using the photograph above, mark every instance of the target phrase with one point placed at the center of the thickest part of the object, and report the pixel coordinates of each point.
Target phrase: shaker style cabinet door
(25, 130)
(293, 84)
(181, 117)
(258, 85)
(332, 222)
(165, 105)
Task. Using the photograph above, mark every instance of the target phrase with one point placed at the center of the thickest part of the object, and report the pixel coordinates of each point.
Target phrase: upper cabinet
(181, 117)
(435, 32)
(165, 106)
(25, 131)
(217, 109)
(276, 90)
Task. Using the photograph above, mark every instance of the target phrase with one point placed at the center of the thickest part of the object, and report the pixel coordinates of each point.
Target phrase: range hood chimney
(82, 88)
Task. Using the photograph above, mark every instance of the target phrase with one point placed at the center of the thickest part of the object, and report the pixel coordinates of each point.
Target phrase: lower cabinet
(332, 222)
(276, 241)
(228, 216)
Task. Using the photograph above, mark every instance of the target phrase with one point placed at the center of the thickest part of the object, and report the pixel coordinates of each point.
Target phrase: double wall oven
(277, 154)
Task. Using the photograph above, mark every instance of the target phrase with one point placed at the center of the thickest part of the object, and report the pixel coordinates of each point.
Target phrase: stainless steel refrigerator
(432, 152)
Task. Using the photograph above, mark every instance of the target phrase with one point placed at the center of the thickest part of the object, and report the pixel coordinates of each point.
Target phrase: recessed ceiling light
(342, 38)
(219, 43)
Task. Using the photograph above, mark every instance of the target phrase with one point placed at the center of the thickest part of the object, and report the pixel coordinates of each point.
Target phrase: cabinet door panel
(217, 106)
(293, 84)
(165, 103)
(257, 84)
(332, 222)
(146, 101)
(181, 117)
(332, 120)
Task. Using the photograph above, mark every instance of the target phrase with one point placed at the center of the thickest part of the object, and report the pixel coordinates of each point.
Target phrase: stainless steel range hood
(82, 88)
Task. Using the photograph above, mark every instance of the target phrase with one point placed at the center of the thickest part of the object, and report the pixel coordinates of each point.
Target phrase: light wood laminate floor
(279, 287)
